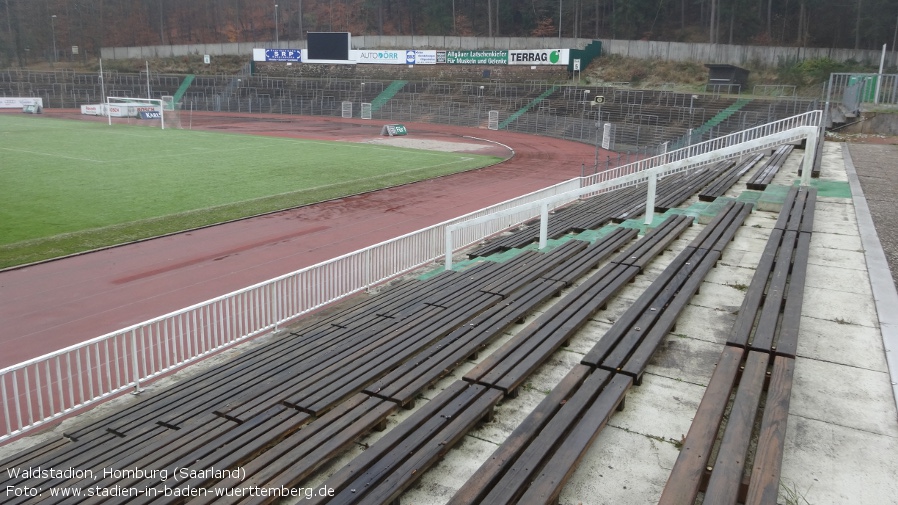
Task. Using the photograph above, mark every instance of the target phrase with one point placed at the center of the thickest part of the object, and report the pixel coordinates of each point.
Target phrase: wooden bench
(588, 214)
(185, 449)
(389, 466)
(726, 479)
(537, 459)
(294, 457)
(771, 310)
(631, 341)
(722, 184)
(759, 357)
(405, 382)
(681, 190)
(508, 367)
(768, 170)
(118, 439)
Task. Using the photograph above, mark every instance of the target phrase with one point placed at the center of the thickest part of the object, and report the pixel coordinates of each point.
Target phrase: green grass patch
(71, 186)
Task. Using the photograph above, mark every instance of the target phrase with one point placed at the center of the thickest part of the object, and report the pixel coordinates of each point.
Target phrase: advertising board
(539, 56)
(291, 55)
(12, 102)
(498, 57)
(378, 56)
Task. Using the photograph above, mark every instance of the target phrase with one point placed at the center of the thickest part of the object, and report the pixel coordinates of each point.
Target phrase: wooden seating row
(714, 454)
(722, 184)
(535, 462)
(409, 317)
(406, 381)
(384, 470)
(390, 465)
(616, 206)
(691, 185)
(508, 367)
(631, 341)
(537, 459)
(769, 317)
(587, 214)
(768, 170)
(759, 359)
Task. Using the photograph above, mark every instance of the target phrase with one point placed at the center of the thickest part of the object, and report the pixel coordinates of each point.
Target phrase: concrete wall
(674, 51)
(733, 55)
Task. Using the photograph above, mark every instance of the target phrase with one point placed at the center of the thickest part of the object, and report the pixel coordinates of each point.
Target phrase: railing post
(137, 389)
(810, 151)
(543, 225)
(650, 198)
(448, 248)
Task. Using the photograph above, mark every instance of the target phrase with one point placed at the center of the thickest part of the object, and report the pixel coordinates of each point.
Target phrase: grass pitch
(71, 186)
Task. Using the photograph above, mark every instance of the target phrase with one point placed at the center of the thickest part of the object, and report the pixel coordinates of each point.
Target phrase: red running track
(52, 305)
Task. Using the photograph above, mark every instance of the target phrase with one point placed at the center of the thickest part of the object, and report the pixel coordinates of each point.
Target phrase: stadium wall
(671, 51)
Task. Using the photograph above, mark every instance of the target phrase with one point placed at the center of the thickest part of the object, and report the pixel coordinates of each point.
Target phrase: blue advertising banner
(294, 55)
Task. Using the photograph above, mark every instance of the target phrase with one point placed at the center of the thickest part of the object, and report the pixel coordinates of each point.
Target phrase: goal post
(143, 108)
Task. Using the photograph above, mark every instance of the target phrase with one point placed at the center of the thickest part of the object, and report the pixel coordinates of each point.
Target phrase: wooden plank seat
(317, 360)
(578, 266)
(768, 170)
(537, 459)
(172, 408)
(771, 310)
(389, 466)
(722, 229)
(797, 213)
(284, 464)
(718, 187)
(682, 190)
(588, 214)
(723, 428)
(405, 382)
(628, 346)
(193, 392)
(514, 279)
(378, 354)
(653, 244)
(507, 367)
(184, 450)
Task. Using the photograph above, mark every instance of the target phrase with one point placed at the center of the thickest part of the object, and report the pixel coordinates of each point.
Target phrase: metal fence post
(137, 389)
(448, 248)
(650, 198)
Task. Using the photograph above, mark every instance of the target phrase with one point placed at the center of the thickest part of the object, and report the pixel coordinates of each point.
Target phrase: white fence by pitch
(42, 389)
(45, 388)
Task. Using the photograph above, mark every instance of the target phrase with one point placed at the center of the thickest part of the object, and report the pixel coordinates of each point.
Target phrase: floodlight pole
(53, 28)
(276, 35)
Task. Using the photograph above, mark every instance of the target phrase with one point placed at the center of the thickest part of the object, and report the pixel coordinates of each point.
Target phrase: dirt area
(862, 138)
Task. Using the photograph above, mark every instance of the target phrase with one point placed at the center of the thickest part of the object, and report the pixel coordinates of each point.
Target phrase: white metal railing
(45, 388)
(649, 170)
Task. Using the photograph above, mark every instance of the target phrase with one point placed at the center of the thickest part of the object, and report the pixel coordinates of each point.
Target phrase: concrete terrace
(842, 431)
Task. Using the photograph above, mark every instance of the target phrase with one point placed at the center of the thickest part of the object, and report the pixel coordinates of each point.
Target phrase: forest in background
(30, 29)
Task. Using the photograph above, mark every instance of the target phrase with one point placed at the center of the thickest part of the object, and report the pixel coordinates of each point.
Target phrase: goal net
(146, 111)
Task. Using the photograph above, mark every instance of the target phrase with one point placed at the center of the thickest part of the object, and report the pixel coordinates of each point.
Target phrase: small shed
(727, 74)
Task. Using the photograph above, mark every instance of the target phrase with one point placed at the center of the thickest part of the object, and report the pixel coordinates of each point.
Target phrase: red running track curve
(59, 303)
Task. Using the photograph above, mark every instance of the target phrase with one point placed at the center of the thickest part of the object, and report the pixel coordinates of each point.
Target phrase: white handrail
(44, 388)
(801, 127)
(55, 384)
